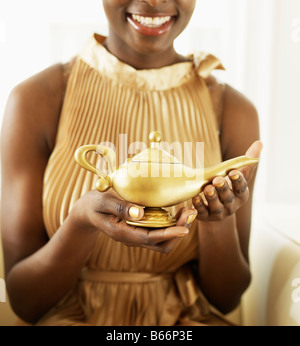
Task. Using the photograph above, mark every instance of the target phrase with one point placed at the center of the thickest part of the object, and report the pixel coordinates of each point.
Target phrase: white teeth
(151, 21)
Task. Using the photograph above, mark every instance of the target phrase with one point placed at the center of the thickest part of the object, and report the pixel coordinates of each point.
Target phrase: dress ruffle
(96, 55)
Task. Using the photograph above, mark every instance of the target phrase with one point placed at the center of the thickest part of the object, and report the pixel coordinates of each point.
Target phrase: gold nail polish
(134, 212)
(191, 219)
(197, 200)
(221, 184)
(235, 177)
(211, 193)
(182, 235)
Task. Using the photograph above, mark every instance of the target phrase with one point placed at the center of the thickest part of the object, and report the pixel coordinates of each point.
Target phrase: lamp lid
(154, 154)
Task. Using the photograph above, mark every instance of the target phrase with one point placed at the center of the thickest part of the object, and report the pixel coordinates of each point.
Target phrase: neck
(141, 60)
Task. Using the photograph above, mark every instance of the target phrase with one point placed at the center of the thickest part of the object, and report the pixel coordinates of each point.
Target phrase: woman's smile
(142, 33)
(150, 26)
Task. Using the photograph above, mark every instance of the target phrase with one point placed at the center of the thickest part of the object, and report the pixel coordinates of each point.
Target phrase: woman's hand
(225, 195)
(108, 213)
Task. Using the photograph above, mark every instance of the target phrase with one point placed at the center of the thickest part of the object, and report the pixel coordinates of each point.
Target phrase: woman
(70, 257)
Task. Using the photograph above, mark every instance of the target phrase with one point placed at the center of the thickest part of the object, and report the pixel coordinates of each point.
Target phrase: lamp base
(155, 218)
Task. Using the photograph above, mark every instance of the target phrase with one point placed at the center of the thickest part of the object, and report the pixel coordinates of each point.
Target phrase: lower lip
(150, 31)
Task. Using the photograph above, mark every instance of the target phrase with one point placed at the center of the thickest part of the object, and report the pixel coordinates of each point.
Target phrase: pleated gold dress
(109, 101)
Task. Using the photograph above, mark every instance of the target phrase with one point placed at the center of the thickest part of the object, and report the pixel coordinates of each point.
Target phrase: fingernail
(191, 219)
(183, 234)
(134, 212)
(221, 184)
(211, 193)
(197, 200)
(235, 177)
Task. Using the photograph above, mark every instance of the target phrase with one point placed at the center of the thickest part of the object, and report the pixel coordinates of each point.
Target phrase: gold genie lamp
(154, 179)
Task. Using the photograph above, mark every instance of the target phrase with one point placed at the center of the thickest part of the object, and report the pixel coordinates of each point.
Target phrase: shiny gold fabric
(107, 99)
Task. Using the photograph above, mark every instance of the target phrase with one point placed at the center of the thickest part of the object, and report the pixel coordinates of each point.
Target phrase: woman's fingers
(215, 206)
(154, 239)
(114, 212)
(239, 185)
(111, 204)
(222, 198)
(166, 234)
(201, 207)
(254, 151)
(227, 204)
(185, 217)
(225, 195)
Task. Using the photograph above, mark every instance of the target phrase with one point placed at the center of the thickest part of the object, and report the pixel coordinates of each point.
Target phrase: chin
(149, 46)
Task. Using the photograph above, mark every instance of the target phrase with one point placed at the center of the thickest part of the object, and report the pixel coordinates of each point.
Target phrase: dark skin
(39, 271)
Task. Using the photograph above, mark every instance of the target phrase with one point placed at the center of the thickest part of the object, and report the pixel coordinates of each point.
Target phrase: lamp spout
(225, 167)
